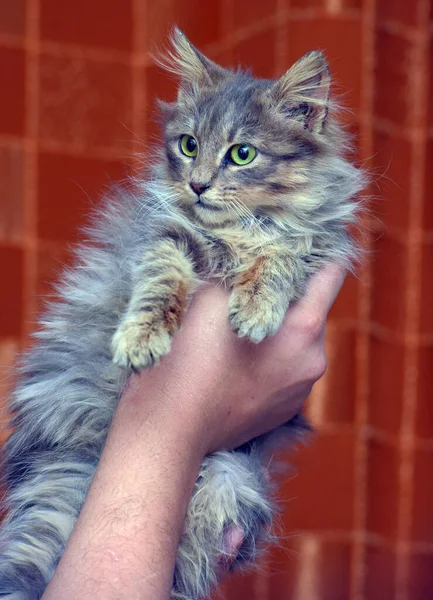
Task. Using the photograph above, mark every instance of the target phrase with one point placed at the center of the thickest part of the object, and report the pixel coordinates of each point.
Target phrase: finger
(323, 288)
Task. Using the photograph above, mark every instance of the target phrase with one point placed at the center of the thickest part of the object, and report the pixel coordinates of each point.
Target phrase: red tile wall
(77, 96)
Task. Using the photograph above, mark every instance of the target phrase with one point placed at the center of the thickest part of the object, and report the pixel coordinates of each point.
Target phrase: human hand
(249, 389)
(229, 390)
(212, 391)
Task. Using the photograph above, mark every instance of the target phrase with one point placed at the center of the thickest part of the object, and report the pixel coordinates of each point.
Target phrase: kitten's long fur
(261, 230)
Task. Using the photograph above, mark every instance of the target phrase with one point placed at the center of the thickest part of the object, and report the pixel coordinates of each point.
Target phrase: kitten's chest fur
(231, 249)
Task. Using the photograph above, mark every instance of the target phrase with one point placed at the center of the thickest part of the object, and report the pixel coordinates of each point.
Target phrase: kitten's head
(236, 145)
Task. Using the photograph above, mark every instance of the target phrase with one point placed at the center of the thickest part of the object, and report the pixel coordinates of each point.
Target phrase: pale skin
(212, 391)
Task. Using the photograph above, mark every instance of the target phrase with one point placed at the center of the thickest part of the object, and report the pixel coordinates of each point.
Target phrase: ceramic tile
(246, 12)
(200, 21)
(99, 23)
(257, 53)
(311, 4)
(8, 355)
(346, 304)
(386, 384)
(333, 576)
(424, 417)
(285, 566)
(11, 302)
(380, 566)
(421, 577)
(426, 316)
(51, 263)
(405, 13)
(321, 494)
(12, 84)
(11, 193)
(430, 76)
(314, 567)
(68, 187)
(427, 222)
(237, 585)
(340, 40)
(85, 103)
(161, 85)
(389, 282)
(393, 64)
(160, 17)
(341, 377)
(13, 17)
(382, 483)
(392, 164)
(422, 515)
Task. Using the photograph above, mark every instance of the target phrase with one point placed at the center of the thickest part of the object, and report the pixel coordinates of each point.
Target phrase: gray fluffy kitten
(251, 189)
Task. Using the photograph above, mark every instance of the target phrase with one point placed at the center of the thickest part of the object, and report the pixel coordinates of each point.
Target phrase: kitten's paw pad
(253, 316)
(140, 342)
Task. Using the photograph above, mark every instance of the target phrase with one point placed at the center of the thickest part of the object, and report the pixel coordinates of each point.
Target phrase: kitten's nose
(199, 188)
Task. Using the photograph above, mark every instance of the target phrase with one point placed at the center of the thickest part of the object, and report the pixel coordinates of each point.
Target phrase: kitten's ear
(303, 92)
(194, 68)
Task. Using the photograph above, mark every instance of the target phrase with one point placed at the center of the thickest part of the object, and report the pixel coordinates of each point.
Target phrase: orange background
(76, 80)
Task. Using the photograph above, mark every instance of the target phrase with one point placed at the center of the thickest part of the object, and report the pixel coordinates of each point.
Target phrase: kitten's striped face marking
(237, 147)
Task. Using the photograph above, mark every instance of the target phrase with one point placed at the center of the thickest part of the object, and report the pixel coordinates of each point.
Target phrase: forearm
(212, 391)
(125, 540)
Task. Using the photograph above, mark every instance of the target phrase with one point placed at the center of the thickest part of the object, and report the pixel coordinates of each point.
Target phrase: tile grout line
(262, 583)
(334, 7)
(105, 54)
(227, 26)
(358, 571)
(283, 17)
(31, 148)
(309, 541)
(418, 78)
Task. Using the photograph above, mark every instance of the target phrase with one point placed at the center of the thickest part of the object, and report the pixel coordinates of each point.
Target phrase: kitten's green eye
(188, 146)
(242, 154)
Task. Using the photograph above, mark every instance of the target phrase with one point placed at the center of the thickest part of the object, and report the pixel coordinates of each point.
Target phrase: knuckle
(320, 366)
(312, 325)
(316, 366)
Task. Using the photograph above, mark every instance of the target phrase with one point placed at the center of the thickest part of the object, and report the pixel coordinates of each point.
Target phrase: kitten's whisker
(253, 221)
(141, 140)
(240, 206)
(240, 210)
(156, 201)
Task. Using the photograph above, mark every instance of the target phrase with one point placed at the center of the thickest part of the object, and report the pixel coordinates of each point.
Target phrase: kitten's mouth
(203, 204)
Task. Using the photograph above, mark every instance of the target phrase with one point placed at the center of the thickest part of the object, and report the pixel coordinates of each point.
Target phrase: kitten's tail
(42, 507)
(30, 547)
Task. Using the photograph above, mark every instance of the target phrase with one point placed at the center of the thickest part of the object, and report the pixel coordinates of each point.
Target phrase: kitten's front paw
(254, 316)
(140, 341)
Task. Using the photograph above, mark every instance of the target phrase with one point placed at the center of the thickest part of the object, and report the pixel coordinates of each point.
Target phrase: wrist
(156, 401)
(141, 488)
